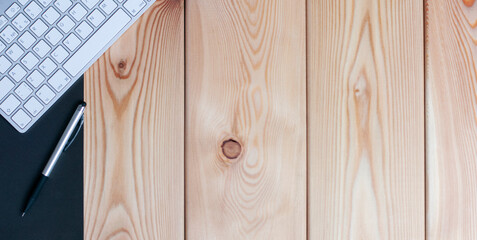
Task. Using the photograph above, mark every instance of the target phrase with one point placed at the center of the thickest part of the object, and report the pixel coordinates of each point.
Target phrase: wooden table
(290, 119)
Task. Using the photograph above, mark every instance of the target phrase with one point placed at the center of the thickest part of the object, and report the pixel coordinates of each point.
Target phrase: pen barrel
(77, 116)
(36, 192)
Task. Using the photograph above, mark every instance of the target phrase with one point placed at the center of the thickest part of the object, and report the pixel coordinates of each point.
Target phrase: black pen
(65, 141)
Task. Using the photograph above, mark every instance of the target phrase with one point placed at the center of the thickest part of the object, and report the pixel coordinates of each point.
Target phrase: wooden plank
(245, 82)
(134, 128)
(366, 119)
(451, 80)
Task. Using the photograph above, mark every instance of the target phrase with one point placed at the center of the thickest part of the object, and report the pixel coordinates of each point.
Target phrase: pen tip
(23, 214)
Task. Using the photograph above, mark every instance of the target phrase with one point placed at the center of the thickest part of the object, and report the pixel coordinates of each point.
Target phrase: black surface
(34, 195)
(58, 211)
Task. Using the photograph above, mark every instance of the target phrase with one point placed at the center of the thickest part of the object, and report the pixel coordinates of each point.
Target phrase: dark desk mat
(58, 212)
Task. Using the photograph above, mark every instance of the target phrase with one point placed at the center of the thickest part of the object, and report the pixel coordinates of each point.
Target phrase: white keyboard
(46, 45)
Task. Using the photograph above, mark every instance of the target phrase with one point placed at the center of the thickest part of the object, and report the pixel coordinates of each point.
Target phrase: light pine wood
(451, 90)
(366, 119)
(134, 132)
(245, 82)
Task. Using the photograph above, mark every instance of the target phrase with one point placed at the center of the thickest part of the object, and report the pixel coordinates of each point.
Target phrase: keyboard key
(5, 64)
(23, 2)
(26, 40)
(63, 5)
(9, 34)
(45, 2)
(29, 61)
(108, 6)
(21, 22)
(51, 15)
(53, 36)
(21, 118)
(41, 48)
(5, 86)
(84, 30)
(60, 54)
(90, 3)
(45, 94)
(9, 105)
(35, 78)
(78, 12)
(17, 73)
(47, 66)
(23, 91)
(96, 43)
(96, 18)
(134, 6)
(72, 42)
(66, 24)
(39, 27)
(14, 52)
(33, 106)
(12, 10)
(33, 10)
(59, 80)
(2, 46)
(3, 21)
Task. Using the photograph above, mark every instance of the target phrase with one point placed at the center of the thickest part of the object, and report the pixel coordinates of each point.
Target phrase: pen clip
(72, 139)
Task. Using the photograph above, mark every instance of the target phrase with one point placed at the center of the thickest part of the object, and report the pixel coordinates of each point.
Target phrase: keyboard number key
(60, 54)
(45, 2)
(72, 42)
(12, 10)
(23, 91)
(5, 86)
(35, 78)
(10, 104)
(33, 106)
(21, 118)
(17, 73)
(33, 10)
(45, 94)
(59, 80)
(96, 18)
(21, 22)
(41, 48)
(66, 24)
(9, 34)
(26, 40)
(5, 64)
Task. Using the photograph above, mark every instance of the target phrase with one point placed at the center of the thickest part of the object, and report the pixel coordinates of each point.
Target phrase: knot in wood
(122, 65)
(231, 149)
(469, 3)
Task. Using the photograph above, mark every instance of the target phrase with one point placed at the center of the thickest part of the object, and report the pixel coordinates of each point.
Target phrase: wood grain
(366, 119)
(134, 128)
(451, 80)
(246, 82)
